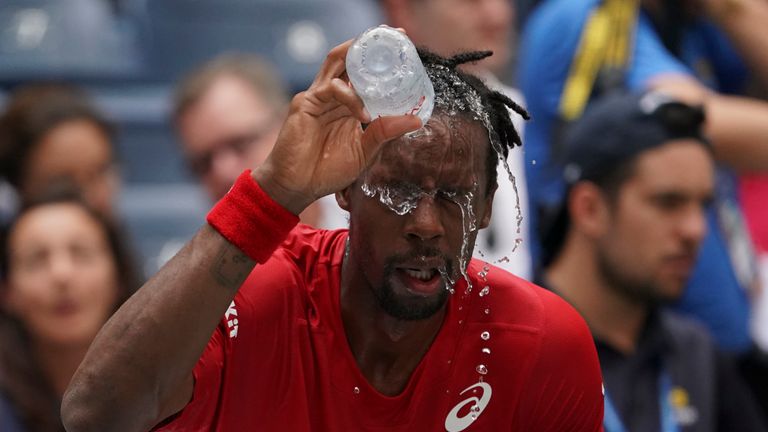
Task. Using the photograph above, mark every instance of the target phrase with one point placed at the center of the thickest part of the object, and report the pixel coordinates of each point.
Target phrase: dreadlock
(457, 90)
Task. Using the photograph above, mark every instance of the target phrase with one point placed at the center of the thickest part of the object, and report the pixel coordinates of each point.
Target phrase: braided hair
(459, 91)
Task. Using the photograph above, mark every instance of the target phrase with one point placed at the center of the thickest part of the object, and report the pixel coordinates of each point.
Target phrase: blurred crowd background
(98, 99)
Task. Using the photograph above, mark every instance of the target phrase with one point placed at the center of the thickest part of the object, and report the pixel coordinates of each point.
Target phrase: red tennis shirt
(514, 357)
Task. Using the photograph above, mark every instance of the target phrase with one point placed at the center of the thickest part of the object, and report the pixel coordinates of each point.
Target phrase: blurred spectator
(451, 26)
(574, 51)
(228, 114)
(64, 272)
(51, 133)
(639, 176)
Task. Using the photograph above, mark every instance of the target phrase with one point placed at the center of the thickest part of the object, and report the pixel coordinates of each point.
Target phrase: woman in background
(50, 133)
(64, 272)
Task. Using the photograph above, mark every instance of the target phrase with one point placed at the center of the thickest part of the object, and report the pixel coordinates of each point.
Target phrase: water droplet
(461, 307)
(481, 369)
(449, 361)
(486, 350)
(461, 322)
(504, 259)
(487, 311)
(484, 292)
(356, 390)
(518, 242)
(469, 225)
(533, 162)
(447, 280)
(447, 391)
(485, 335)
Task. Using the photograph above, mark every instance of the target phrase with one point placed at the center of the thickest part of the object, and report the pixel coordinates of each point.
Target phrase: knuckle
(297, 100)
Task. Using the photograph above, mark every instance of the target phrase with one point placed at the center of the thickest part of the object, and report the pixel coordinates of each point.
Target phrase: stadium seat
(294, 34)
(64, 40)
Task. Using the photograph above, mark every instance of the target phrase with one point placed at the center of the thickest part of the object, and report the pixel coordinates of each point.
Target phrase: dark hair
(252, 70)
(32, 112)
(556, 222)
(602, 147)
(21, 378)
(447, 80)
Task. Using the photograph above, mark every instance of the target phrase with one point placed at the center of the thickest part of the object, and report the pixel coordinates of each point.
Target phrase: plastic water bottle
(387, 74)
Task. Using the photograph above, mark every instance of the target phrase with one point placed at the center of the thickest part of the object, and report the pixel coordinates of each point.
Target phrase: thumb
(385, 129)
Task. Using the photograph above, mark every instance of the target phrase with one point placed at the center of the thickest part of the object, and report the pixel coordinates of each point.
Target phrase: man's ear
(485, 219)
(343, 197)
(588, 208)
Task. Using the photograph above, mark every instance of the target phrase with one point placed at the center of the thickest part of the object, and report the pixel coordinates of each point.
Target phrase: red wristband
(251, 220)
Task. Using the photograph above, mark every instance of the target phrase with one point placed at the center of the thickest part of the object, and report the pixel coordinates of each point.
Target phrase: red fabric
(754, 201)
(289, 366)
(251, 219)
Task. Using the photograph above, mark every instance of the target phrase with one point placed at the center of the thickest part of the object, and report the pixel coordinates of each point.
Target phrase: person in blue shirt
(697, 64)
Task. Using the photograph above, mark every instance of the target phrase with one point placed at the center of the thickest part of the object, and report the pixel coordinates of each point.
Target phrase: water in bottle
(388, 75)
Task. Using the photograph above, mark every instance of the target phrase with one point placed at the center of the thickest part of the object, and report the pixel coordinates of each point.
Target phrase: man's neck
(387, 350)
(612, 317)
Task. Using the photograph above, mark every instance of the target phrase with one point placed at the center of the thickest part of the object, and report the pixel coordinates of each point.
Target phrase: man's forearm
(739, 132)
(736, 125)
(138, 369)
(744, 22)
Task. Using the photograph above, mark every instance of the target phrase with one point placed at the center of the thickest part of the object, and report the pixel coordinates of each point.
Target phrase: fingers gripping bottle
(387, 74)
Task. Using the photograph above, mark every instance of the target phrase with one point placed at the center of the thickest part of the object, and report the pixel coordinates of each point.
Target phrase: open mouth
(421, 281)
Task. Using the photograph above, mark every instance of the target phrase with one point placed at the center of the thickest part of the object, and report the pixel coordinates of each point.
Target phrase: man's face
(401, 257)
(657, 222)
(450, 26)
(230, 129)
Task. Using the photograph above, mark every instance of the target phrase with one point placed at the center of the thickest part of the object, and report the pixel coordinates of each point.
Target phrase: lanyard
(612, 422)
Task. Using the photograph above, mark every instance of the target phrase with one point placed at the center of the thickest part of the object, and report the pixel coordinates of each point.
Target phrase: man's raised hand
(322, 147)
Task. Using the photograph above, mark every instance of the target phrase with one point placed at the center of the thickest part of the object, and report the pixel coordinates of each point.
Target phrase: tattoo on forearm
(231, 267)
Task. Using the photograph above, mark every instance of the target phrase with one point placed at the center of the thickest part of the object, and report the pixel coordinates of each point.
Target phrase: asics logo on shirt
(454, 423)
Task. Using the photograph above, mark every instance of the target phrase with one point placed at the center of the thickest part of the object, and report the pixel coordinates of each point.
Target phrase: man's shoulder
(306, 244)
(685, 332)
(561, 377)
(300, 257)
(522, 303)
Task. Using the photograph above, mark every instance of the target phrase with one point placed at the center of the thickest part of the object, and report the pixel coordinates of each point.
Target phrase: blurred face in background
(655, 226)
(230, 129)
(62, 281)
(77, 151)
(450, 26)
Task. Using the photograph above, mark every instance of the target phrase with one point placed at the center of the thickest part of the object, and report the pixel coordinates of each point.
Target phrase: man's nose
(693, 225)
(424, 222)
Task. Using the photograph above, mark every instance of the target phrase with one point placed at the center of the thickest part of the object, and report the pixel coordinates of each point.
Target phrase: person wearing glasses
(639, 176)
(227, 114)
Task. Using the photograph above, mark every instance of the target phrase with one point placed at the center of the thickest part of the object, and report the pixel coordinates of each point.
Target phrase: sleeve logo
(230, 316)
(454, 423)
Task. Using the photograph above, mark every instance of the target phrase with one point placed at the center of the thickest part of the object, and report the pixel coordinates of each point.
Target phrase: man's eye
(669, 202)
